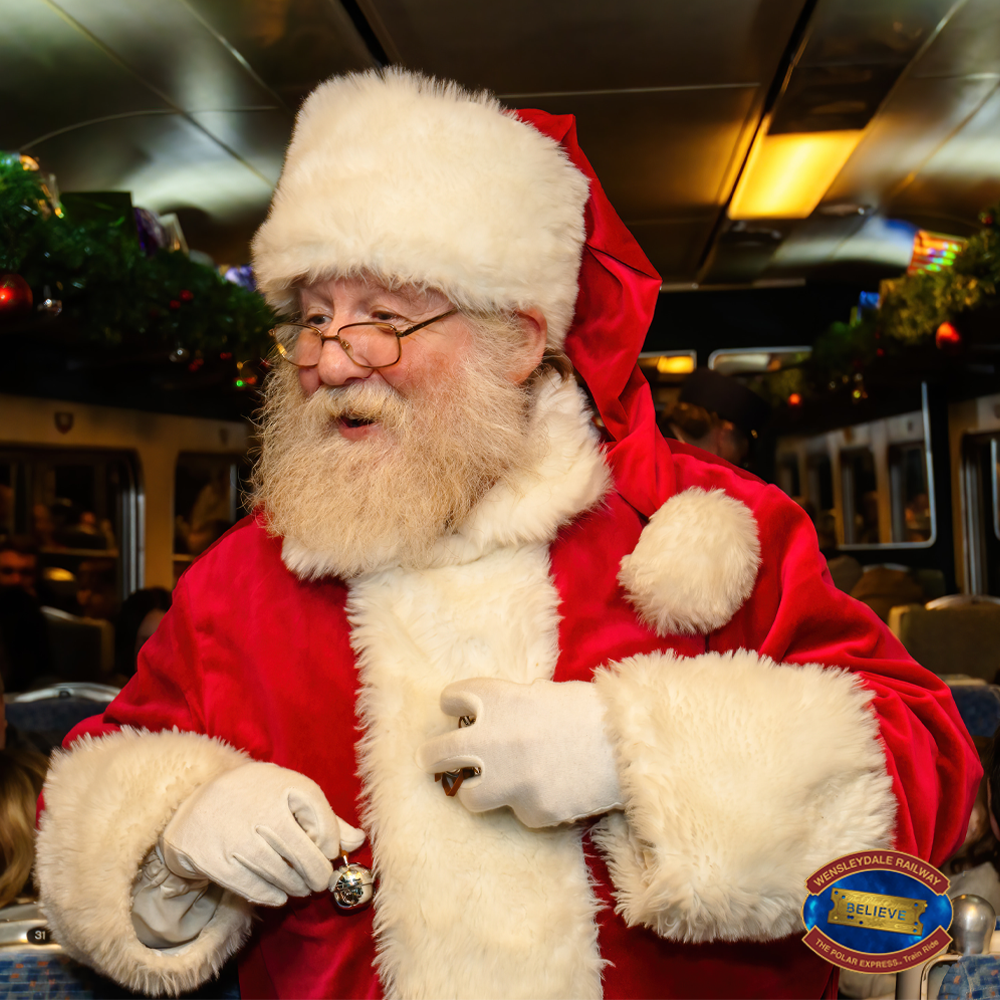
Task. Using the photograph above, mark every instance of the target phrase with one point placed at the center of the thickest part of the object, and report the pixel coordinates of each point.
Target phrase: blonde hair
(22, 774)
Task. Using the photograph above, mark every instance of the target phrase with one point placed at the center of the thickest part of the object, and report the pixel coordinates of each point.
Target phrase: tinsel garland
(112, 292)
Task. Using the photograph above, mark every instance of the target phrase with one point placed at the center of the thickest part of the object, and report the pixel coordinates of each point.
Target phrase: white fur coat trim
(468, 905)
(106, 803)
(741, 778)
(408, 178)
(569, 476)
(695, 564)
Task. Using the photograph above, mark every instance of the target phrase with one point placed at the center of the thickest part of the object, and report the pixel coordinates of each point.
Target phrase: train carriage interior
(816, 182)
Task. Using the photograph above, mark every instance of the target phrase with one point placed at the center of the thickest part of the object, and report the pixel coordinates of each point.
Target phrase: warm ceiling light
(787, 175)
(675, 364)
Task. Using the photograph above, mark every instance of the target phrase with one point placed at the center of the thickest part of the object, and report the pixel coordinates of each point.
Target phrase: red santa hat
(415, 180)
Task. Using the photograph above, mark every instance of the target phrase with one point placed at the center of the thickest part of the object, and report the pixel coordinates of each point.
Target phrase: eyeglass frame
(346, 347)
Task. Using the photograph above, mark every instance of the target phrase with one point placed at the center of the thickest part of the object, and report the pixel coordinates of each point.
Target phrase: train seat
(83, 649)
(978, 703)
(51, 712)
(960, 637)
(32, 964)
(884, 585)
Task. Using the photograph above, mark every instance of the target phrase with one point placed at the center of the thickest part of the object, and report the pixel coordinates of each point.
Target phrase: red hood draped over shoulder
(618, 290)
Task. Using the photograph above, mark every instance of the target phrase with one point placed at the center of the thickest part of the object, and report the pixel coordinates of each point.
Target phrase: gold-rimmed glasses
(368, 345)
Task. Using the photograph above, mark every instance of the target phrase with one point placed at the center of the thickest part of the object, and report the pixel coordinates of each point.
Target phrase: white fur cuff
(741, 777)
(695, 564)
(106, 803)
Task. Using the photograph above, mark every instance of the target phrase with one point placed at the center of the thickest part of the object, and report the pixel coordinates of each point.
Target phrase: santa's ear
(535, 330)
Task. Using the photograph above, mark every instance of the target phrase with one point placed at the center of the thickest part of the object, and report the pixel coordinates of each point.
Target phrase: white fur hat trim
(695, 564)
(416, 180)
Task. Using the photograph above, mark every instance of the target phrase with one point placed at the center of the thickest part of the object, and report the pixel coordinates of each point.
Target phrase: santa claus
(586, 703)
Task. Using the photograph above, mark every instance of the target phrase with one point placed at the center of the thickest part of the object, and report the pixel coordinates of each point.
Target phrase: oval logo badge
(877, 911)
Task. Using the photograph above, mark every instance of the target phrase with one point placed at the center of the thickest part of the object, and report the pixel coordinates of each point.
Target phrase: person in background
(22, 773)
(25, 647)
(716, 413)
(138, 619)
(97, 588)
(19, 564)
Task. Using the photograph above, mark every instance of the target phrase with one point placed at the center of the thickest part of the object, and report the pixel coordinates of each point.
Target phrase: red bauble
(174, 304)
(187, 295)
(947, 338)
(794, 400)
(15, 298)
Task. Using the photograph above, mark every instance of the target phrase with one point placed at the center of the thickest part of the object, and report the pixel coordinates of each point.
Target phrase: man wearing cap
(589, 708)
(716, 413)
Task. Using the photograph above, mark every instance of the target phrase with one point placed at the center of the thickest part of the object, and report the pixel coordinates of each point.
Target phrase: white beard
(351, 507)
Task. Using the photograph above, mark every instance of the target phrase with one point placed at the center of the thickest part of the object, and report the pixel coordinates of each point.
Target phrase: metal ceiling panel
(742, 251)
(853, 55)
(526, 47)
(53, 77)
(874, 33)
(921, 113)
(169, 48)
(674, 247)
(661, 153)
(968, 44)
(841, 247)
(164, 161)
(962, 177)
(257, 137)
(827, 98)
(290, 46)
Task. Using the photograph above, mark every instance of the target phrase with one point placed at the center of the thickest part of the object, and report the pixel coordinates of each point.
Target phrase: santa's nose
(337, 367)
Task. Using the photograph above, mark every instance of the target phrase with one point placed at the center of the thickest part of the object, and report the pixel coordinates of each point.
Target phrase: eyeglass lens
(370, 345)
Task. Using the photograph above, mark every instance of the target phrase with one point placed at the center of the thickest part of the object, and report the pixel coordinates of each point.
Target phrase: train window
(859, 497)
(81, 509)
(208, 500)
(819, 498)
(788, 475)
(981, 469)
(819, 472)
(911, 510)
(757, 360)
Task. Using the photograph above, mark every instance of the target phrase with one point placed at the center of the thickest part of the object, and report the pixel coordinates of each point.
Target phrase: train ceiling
(882, 115)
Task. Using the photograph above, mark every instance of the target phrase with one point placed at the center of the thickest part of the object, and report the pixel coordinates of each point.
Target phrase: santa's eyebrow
(410, 301)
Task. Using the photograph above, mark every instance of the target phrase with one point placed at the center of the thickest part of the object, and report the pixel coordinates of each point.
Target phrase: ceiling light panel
(787, 175)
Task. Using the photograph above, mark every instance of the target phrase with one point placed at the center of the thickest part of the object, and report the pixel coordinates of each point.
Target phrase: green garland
(911, 310)
(112, 292)
(915, 305)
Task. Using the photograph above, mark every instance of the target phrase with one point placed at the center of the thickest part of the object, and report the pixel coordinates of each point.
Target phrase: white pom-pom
(695, 564)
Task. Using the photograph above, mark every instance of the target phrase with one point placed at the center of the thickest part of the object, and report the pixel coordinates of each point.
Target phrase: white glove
(541, 748)
(261, 831)
(169, 911)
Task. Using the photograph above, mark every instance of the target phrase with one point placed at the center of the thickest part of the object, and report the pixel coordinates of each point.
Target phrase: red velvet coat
(251, 654)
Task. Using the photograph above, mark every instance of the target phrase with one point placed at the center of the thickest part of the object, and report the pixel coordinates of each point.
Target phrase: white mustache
(374, 401)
